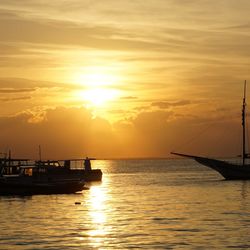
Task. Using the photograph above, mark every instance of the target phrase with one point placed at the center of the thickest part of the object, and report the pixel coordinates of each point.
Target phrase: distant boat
(20, 177)
(228, 170)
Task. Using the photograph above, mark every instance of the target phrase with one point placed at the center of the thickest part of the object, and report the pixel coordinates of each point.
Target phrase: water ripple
(140, 204)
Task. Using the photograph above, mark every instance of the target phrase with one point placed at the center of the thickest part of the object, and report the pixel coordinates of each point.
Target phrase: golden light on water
(97, 214)
(97, 202)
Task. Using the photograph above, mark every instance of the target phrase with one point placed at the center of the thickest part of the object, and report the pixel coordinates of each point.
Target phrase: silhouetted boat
(228, 170)
(78, 167)
(21, 177)
(81, 167)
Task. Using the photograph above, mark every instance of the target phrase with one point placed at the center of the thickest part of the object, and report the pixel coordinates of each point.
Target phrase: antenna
(244, 126)
(40, 153)
(9, 156)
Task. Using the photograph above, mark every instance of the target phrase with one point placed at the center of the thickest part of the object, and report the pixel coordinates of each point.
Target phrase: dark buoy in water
(77, 203)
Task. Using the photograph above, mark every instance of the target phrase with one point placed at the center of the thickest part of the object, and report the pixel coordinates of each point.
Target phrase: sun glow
(94, 77)
(98, 85)
(98, 96)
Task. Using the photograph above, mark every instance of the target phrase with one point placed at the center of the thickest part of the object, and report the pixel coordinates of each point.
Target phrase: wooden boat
(18, 177)
(228, 170)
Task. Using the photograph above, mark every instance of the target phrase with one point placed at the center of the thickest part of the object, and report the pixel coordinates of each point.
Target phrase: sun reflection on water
(97, 202)
(97, 213)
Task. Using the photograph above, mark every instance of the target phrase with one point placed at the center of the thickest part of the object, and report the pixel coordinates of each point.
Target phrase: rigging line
(247, 136)
(237, 147)
(247, 141)
(195, 137)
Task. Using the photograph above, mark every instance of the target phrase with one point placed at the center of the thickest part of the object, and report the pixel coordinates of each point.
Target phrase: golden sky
(122, 78)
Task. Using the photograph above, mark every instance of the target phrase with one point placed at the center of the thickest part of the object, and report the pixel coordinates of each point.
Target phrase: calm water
(147, 204)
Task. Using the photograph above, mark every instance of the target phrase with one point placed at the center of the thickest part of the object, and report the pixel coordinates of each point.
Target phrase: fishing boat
(229, 171)
(22, 177)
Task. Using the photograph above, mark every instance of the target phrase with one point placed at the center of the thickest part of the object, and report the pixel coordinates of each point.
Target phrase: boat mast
(243, 126)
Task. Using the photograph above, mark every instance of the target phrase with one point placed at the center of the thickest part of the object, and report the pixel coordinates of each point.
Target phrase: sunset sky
(120, 78)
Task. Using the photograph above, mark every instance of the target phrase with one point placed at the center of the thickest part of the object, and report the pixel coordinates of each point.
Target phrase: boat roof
(47, 161)
(78, 159)
(15, 159)
(29, 166)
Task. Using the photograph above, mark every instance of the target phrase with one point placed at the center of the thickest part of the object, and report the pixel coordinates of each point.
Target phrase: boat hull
(92, 175)
(89, 175)
(63, 187)
(228, 170)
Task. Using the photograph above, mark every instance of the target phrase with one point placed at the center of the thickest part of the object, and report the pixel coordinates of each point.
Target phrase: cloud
(74, 132)
(166, 104)
(195, 54)
(22, 98)
(7, 91)
(53, 32)
(129, 98)
(172, 44)
(62, 132)
(15, 85)
(19, 95)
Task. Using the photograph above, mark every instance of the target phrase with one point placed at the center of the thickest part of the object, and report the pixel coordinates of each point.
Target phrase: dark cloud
(62, 132)
(73, 132)
(117, 111)
(15, 85)
(21, 83)
(8, 91)
(166, 104)
(129, 98)
(11, 99)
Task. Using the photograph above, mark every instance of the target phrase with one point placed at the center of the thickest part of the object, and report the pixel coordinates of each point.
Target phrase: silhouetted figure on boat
(87, 164)
(67, 164)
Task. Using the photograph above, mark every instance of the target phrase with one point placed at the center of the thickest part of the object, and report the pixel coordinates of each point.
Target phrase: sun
(94, 77)
(99, 96)
(98, 86)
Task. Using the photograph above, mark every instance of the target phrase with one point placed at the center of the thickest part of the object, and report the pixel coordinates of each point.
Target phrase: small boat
(229, 171)
(78, 167)
(74, 167)
(83, 167)
(20, 177)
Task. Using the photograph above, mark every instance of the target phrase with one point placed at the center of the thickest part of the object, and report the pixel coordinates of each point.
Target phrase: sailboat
(229, 171)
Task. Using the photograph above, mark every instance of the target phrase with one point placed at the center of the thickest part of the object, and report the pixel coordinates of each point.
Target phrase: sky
(122, 79)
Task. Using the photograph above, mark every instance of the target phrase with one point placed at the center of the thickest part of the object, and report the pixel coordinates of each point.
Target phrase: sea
(140, 204)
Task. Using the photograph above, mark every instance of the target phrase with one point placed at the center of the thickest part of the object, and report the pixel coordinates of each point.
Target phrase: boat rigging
(228, 170)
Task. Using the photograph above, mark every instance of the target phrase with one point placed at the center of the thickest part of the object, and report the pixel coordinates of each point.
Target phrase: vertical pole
(9, 157)
(40, 153)
(243, 126)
